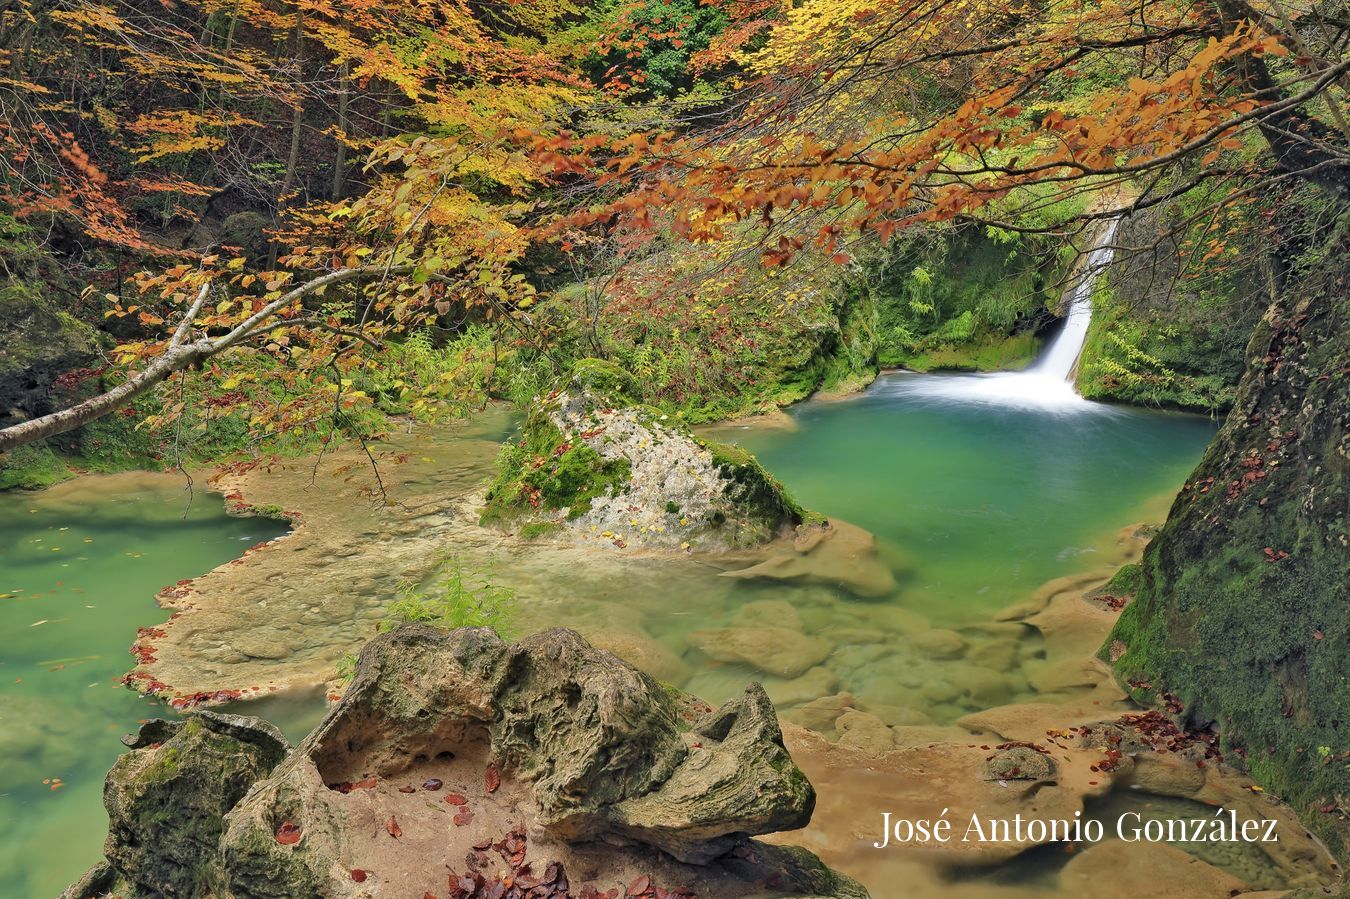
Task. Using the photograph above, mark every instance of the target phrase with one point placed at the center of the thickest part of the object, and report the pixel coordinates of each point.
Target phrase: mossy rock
(248, 231)
(605, 378)
(167, 798)
(589, 459)
(1241, 611)
(38, 343)
(542, 472)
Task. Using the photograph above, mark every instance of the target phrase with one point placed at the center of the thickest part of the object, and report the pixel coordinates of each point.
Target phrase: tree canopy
(303, 184)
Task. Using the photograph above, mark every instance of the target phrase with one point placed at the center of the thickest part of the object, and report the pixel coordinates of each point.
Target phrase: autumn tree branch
(178, 355)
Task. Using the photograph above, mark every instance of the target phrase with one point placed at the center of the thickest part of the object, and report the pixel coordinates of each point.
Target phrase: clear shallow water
(974, 506)
(977, 504)
(79, 567)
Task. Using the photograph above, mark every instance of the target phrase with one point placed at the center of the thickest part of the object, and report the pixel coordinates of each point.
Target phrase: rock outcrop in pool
(458, 764)
(592, 464)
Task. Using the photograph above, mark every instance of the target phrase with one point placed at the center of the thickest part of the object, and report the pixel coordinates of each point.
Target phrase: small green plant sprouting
(462, 597)
(346, 667)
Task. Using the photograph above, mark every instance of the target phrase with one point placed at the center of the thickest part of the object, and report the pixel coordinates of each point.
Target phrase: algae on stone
(591, 465)
(1241, 614)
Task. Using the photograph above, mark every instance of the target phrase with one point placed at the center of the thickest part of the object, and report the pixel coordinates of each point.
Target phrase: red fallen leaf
(462, 817)
(483, 845)
(428, 895)
(455, 799)
(1317, 635)
(408, 789)
(288, 834)
(492, 779)
(366, 783)
(392, 826)
(639, 886)
(433, 784)
(358, 875)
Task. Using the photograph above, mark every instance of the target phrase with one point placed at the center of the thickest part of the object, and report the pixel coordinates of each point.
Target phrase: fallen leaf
(392, 826)
(639, 886)
(433, 784)
(358, 875)
(455, 799)
(492, 779)
(288, 834)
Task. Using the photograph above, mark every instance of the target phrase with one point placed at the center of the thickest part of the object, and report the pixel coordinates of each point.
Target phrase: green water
(977, 504)
(79, 567)
(974, 506)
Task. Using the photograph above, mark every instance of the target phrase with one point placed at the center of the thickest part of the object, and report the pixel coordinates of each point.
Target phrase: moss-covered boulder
(167, 798)
(1241, 616)
(588, 464)
(497, 763)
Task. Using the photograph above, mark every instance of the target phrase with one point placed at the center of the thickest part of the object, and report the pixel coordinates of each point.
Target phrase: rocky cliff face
(1241, 621)
(460, 765)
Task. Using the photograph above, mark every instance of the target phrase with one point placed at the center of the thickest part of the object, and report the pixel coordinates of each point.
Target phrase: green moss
(164, 766)
(965, 299)
(1169, 359)
(751, 486)
(542, 471)
(604, 378)
(533, 530)
(1240, 613)
(32, 468)
(1125, 582)
(987, 352)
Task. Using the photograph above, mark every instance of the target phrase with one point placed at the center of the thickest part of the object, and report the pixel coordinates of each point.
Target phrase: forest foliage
(294, 213)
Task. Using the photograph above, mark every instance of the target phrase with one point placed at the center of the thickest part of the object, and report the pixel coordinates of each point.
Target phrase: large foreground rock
(455, 761)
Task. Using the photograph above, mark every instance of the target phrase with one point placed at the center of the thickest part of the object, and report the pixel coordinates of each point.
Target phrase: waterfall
(1059, 358)
(1048, 383)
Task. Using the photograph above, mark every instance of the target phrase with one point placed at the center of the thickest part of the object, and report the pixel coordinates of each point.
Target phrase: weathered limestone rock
(549, 752)
(642, 650)
(939, 643)
(819, 681)
(167, 798)
(593, 466)
(864, 732)
(1020, 763)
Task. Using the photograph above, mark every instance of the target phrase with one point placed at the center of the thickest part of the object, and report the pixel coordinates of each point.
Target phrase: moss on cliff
(1241, 612)
(964, 298)
(1171, 337)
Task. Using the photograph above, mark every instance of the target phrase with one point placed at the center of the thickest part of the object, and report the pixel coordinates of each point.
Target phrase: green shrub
(462, 597)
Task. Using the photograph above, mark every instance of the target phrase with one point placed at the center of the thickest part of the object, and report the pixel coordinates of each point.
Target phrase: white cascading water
(1048, 383)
